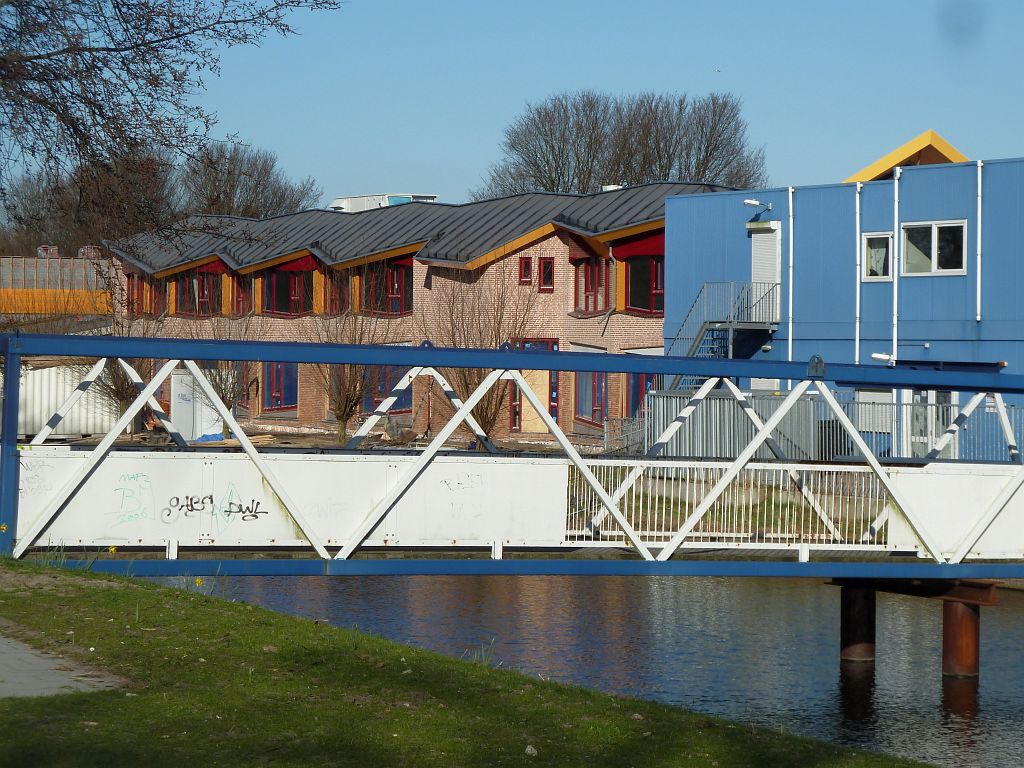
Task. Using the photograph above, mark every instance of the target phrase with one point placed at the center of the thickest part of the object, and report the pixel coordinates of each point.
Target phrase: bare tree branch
(578, 141)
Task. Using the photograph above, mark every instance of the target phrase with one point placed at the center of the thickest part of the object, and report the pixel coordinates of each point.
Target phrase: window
(591, 396)
(157, 298)
(243, 295)
(877, 256)
(288, 291)
(546, 267)
(135, 294)
(280, 386)
(544, 383)
(592, 285)
(525, 270)
(934, 247)
(638, 386)
(336, 287)
(645, 284)
(387, 287)
(197, 293)
(380, 380)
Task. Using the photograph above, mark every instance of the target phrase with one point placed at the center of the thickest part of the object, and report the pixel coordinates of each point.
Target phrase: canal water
(761, 651)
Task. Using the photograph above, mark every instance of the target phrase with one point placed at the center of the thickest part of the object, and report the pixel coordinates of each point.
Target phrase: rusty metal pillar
(857, 624)
(961, 639)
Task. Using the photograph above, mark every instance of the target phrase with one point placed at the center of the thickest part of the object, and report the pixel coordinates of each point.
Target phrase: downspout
(789, 333)
(857, 283)
(611, 307)
(977, 315)
(897, 240)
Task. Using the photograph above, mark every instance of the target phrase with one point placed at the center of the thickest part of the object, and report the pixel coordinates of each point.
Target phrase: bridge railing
(339, 503)
(894, 431)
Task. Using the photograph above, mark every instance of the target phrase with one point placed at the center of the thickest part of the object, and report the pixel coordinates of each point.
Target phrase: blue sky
(404, 96)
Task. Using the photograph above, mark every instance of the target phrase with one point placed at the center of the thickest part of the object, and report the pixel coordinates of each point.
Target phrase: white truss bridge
(356, 501)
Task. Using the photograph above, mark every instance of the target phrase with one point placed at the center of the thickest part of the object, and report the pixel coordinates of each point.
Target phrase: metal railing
(762, 506)
(730, 303)
(810, 432)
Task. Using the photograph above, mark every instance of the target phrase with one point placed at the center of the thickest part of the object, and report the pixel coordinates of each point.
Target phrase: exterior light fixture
(757, 204)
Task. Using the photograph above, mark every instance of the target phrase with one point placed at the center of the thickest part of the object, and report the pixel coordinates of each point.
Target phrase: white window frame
(935, 248)
(864, 257)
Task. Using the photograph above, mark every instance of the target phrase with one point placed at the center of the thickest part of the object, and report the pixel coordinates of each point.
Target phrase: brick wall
(452, 307)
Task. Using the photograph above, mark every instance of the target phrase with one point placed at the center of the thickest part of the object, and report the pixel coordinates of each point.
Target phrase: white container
(42, 392)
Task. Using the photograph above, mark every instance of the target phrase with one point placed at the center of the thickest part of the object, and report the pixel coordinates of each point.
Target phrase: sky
(407, 96)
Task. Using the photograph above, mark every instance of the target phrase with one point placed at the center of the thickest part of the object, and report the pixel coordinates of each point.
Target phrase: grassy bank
(218, 683)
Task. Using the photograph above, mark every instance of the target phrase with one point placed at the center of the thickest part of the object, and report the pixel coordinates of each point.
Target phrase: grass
(212, 682)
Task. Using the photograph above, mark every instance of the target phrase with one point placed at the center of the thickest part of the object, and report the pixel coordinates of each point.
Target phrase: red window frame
(598, 398)
(243, 294)
(297, 292)
(157, 298)
(596, 273)
(336, 287)
(546, 285)
(525, 270)
(388, 289)
(135, 294)
(655, 285)
(515, 408)
(274, 382)
(207, 294)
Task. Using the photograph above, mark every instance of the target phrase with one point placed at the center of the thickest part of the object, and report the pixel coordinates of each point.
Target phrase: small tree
(482, 308)
(346, 385)
(228, 378)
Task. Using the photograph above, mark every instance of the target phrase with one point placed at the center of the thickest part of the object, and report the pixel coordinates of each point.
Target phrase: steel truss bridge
(188, 509)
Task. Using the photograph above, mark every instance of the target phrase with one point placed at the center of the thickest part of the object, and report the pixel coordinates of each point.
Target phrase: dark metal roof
(455, 233)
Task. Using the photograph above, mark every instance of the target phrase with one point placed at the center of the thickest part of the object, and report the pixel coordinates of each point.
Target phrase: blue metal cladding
(707, 241)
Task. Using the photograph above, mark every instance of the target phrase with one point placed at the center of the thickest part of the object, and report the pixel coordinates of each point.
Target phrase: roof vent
(610, 187)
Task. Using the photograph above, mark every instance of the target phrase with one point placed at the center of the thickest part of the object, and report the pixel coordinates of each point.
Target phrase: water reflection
(760, 650)
(857, 693)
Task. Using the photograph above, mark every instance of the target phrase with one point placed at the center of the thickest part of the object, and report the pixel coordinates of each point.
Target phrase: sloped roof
(433, 231)
(927, 149)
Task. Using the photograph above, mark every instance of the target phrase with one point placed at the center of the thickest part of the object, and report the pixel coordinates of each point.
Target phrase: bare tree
(101, 201)
(239, 180)
(230, 379)
(346, 385)
(83, 81)
(577, 141)
(481, 308)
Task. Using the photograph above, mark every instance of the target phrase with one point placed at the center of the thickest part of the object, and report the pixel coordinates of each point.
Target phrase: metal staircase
(725, 316)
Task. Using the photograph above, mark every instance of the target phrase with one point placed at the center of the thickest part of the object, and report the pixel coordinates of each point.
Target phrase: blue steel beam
(888, 569)
(299, 352)
(9, 463)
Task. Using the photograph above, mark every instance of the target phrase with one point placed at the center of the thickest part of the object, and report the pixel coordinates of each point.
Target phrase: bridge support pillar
(961, 639)
(857, 624)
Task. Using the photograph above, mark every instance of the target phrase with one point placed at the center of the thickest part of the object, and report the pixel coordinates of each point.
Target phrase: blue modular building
(926, 265)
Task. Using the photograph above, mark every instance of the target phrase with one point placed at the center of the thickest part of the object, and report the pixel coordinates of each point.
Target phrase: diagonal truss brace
(982, 523)
(577, 460)
(734, 469)
(154, 404)
(955, 426)
(87, 381)
(254, 456)
(897, 497)
(659, 445)
(96, 456)
(776, 449)
(380, 511)
(406, 381)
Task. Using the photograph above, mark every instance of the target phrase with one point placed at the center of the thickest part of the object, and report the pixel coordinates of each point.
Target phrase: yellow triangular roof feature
(927, 149)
